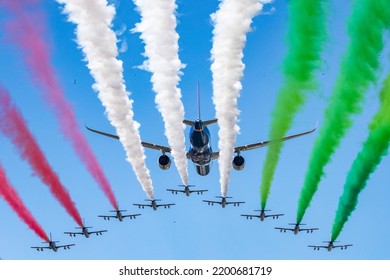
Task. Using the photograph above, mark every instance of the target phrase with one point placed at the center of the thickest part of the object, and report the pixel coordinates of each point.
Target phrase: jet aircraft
(200, 152)
(297, 229)
(330, 246)
(84, 231)
(187, 190)
(262, 215)
(223, 201)
(153, 204)
(118, 215)
(52, 246)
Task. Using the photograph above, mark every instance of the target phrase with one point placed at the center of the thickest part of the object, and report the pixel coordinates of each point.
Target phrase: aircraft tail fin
(198, 91)
(204, 123)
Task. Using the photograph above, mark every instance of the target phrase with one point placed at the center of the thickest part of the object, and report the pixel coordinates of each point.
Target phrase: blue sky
(191, 229)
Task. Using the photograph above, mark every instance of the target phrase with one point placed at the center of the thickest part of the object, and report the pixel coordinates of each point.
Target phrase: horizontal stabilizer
(204, 123)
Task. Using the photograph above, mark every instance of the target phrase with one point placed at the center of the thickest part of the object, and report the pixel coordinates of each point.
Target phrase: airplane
(187, 190)
(262, 215)
(223, 201)
(153, 204)
(52, 246)
(200, 152)
(118, 215)
(84, 231)
(297, 229)
(330, 246)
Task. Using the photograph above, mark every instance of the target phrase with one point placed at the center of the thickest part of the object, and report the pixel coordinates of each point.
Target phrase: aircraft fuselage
(53, 246)
(200, 152)
(85, 232)
(119, 216)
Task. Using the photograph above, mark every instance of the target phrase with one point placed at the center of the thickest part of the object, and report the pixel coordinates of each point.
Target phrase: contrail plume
(158, 31)
(370, 156)
(97, 40)
(305, 43)
(358, 69)
(26, 29)
(231, 24)
(14, 127)
(11, 196)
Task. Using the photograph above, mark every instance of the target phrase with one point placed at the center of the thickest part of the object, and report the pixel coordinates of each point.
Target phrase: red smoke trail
(11, 196)
(27, 29)
(13, 126)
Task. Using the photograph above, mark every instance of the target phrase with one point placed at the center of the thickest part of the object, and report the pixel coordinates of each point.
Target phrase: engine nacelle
(238, 163)
(164, 162)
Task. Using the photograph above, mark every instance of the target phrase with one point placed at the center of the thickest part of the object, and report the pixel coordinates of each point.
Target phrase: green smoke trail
(374, 148)
(306, 36)
(357, 70)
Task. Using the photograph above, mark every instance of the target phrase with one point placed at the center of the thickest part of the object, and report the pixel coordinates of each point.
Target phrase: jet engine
(238, 162)
(164, 162)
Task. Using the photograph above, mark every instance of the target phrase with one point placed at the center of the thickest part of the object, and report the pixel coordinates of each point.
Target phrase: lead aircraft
(200, 152)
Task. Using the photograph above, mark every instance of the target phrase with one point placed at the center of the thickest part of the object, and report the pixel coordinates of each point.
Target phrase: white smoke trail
(98, 42)
(231, 24)
(157, 28)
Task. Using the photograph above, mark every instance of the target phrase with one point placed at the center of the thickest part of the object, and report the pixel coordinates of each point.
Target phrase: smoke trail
(27, 29)
(358, 69)
(374, 148)
(231, 24)
(98, 42)
(14, 127)
(12, 198)
(157, 28)
(305, 42)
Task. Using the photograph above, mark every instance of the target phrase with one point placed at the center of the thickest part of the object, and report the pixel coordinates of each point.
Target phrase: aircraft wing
(132, 216)
(165, 205)
(142, 205)
(274, 215)
(257, 145)
(308, 229)
(318, 247)
(107, 216)
(97, 232)
(250, 216)
(212, 202)
(144, 144)
(198, 191)
(176, 191)
(235, 203)
(73, 233)
(284, 229)
(67, 246)
(41, 247)
(342, 246)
